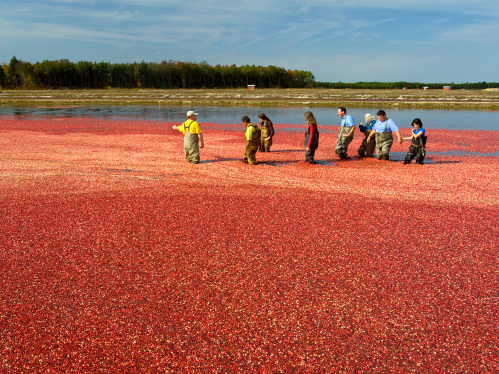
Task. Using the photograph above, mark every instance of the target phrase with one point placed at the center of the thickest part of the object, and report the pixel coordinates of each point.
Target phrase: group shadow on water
(377, 142)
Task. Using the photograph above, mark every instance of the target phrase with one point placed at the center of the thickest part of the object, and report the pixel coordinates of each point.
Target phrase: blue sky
(426, 41)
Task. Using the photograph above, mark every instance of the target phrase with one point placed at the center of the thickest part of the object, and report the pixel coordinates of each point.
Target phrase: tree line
(167, 74)
(409, 85)
(178, 74)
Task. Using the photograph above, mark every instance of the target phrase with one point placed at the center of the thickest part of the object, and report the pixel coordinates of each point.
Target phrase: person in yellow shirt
(252, 136)
(193, 137)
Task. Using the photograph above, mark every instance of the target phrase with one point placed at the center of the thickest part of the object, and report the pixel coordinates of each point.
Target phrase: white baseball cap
(191, 113)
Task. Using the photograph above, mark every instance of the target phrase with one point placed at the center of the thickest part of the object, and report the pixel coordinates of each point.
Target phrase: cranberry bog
(118, 256)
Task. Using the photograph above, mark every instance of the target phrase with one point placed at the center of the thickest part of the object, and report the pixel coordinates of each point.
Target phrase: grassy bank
(435, 99)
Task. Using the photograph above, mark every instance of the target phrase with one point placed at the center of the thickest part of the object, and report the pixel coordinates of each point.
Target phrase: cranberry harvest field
(118, 256)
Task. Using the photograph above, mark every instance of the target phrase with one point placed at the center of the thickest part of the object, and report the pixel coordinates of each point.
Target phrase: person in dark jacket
(311, 138)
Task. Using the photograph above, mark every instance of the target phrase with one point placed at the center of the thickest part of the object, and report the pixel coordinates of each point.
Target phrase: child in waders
(193, 137)
(311, 138)
(267, 129)
(252, 136)
(418, 143)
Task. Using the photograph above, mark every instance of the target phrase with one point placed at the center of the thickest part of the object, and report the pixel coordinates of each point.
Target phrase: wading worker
(252, 136)
(383, 131)
(311, 138)
(418, 143)
(267, 128)
(193, 137)
(345, 134)
(367, 148)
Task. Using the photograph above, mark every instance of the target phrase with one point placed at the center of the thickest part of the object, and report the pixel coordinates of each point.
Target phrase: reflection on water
(431, 118)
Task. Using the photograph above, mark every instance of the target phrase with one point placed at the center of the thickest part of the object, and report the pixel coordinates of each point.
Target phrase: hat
(191, 113)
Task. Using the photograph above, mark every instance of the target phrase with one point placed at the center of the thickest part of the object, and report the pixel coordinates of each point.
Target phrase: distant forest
(167, 74)
(177, 74)
(401, 85)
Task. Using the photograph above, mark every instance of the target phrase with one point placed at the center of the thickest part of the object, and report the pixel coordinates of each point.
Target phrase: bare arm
(399, 137)
(413, 136)
(370, 135)
(352, 129)
(201, 141)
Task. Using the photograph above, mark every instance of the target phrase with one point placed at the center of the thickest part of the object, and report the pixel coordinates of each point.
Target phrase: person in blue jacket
(367, 148)
(418, 143)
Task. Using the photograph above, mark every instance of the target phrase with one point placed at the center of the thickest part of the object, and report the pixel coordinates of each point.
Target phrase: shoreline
(432, 99)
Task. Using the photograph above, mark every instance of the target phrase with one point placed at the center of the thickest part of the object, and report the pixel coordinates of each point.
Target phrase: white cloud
(485, 7)
(56, 31)
(291, 34)
(472, 34)
(377, 66)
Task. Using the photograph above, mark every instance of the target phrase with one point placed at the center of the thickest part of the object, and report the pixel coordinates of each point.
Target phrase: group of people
(378, 135)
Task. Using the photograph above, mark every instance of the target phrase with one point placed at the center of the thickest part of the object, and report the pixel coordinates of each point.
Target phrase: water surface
(431, 118)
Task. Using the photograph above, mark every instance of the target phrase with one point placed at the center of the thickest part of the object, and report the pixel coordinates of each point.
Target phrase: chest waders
(310, 154)
(367, 148)
(417, 148)
(252, 148)
(343, 142)
(265, 144)
(384, 142)
(191, 144)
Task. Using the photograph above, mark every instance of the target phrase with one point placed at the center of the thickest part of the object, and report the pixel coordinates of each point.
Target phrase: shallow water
(431, 118)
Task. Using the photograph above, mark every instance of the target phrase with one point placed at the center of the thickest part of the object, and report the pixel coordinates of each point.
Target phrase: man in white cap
(193, 137)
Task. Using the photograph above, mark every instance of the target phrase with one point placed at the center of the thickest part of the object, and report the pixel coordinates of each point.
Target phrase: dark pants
(365, 147)
(413, 152)
(309, 156)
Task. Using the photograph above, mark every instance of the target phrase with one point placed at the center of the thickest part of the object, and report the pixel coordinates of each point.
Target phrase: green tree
(24, 72)
(2, 77)
(12, 72)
